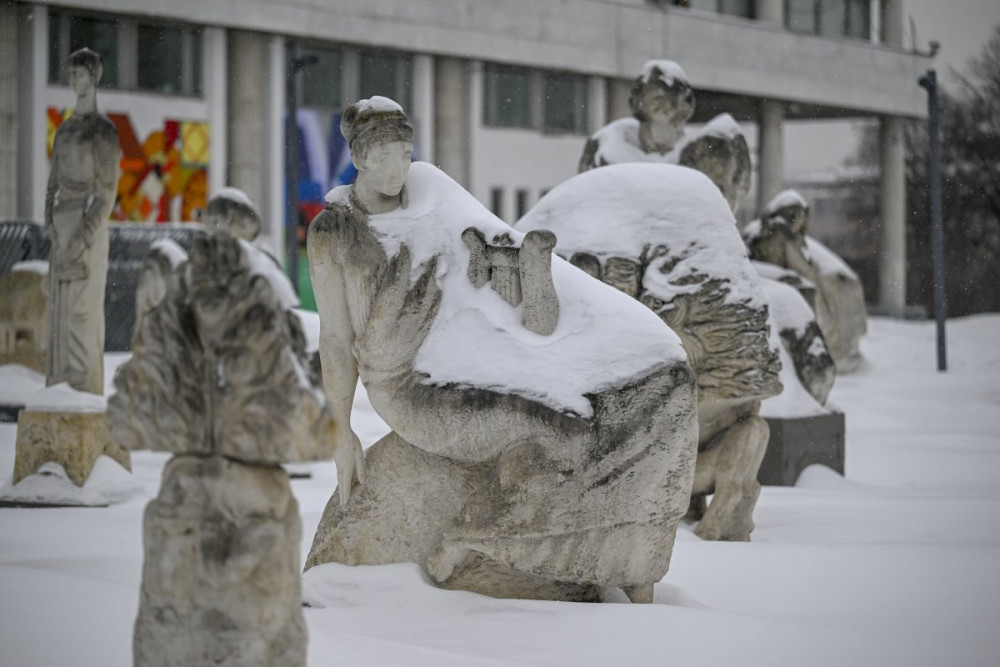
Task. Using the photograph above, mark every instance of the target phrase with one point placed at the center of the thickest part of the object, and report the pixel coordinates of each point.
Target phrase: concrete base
(74, 440)
(799, 442)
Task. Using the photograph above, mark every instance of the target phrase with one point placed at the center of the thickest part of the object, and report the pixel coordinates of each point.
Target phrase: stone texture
(220, 577)
(799, 442)
(23, 329)
(74, 440)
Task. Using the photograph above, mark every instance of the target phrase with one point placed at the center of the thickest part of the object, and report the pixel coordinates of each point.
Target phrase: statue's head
(662, 92)
(381, 142)
(83, 70)
(231, 210)
(787, 212)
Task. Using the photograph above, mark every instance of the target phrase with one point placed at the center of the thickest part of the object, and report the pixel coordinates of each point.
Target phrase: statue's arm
(50, 191)
(106, 151)
(588, 159)
(336, 351)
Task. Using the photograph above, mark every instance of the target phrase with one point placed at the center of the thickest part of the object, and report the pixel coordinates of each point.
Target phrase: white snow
(63, 398)
(784, 199)
(669, 71)
(108, 484)
(775, 272)
(18, 382)
(722, 125)
(39, 266)
(622, 210)
(827, 261)
(238, 196)
(894, 565)
(172, 250)
(378, 103)
(618, 141)
(310, 327)
(788, 308)
(263, 264)
(793, 401)
(477, 339)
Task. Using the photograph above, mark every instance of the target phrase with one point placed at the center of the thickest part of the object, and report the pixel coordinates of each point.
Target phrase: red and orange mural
(164, 177)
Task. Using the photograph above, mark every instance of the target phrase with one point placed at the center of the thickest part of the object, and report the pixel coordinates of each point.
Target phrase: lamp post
(929, 82)
(293, 65)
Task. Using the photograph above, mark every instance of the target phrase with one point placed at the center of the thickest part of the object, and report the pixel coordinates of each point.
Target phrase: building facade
(502, 93)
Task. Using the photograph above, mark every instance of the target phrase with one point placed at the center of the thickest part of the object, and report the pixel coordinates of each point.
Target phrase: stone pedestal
(799, 442)
(74, 440)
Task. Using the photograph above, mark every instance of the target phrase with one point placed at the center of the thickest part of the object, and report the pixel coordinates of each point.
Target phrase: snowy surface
(238, 196)
(263, 264)
(623, 210)
(107, 484)
(310, 327)
(63, 398)
(18, 383)
(618, 141)
(602, 339)
(896, 565)
(39, 266)
(827, 261)
(669, 71)
(172, 250)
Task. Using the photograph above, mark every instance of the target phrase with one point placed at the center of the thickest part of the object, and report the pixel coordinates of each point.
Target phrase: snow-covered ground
(898, 564)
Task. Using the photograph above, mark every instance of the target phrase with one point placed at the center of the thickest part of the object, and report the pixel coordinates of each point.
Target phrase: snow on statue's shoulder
(170, 249)
(603, 338)
(722, 125)
(238, 196)
(784, 199)
(39, 266)
(262, 264)
(827, 261)
(618, 143)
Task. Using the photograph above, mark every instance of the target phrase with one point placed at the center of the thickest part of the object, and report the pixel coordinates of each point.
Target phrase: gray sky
(961, 26)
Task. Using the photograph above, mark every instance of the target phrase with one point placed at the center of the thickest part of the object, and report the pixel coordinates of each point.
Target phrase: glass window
(197, 51)
(321, 83)
(833, 18)
(859, 19)
(55, 52)
(508, 96)
(742, 8)
(496, 201)
(564, 103)
(161, 55)
(99, 35)
(386, 74)
(801, 15)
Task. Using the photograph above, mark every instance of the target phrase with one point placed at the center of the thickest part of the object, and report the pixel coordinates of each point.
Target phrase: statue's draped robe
(79, 199)
(554, 494)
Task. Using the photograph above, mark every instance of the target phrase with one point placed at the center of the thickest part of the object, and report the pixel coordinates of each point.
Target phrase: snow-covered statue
(780, 237)
(232, 210)
(78, 200)
(665, 236)
(544, 431)
(662, 102)
(218, 378)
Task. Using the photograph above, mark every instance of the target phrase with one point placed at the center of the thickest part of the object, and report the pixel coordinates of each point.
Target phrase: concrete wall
(590, 36)
(8, 109)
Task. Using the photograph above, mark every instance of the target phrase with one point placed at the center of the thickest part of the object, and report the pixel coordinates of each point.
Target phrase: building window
(522, 203)
(831, 18)
(164, 58)
(496, 201)
(321, 82)
(387, 74)
(564, 103)
(743, 8)
(508, 96)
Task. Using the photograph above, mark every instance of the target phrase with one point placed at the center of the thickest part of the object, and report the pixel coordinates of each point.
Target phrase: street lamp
(929, 82)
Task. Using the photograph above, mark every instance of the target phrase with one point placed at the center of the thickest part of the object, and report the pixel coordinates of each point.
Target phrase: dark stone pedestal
(801, 441)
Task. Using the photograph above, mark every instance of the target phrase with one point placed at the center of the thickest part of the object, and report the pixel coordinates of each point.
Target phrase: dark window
(742, 8)
(800, 15)
(508, 96)
(197, 51)
(161, 59)
(496, 201)
(859, 19)
(99, 35)
(321, 83)
(564, 103)
(385, 74)
(522, 203)
(832, 18)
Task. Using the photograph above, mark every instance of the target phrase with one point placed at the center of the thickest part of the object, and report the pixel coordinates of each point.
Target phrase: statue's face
(81, 81)
(655, 101)
(385, 166)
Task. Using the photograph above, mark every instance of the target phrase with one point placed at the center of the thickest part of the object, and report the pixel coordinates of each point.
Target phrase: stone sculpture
(662, 102)
(663, 235)
(543, 435)
(230, 209)
(219, 379)
(78, 200)
(780, 237)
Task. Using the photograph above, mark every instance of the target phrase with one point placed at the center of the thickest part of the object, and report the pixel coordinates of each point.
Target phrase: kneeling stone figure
(544, 428)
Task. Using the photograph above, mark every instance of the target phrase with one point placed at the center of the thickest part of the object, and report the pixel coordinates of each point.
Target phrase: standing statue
(544, 432)
(665, 236)
(780, 238)
(78, 201)
(662, 102)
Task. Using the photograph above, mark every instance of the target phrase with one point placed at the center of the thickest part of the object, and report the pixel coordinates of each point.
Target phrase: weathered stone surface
(506, 488)
(799, 442)
(74, 440)
(80, 195)
(220, 575)
(232, 211)
(23, 329)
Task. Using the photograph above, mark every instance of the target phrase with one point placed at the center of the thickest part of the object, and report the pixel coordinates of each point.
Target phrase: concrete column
(8, 109)
(617, 99)
(214, 44)
(452, 135)
(770, 151)
(771, 11)
(422, 113)
(597, 109)
(892, 212)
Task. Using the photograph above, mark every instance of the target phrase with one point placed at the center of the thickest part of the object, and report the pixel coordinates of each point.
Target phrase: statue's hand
(76, 247)
(350, 459)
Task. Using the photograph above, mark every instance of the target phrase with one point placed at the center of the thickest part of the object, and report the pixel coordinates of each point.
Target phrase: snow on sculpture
(780, 238)
(662, 102)
(536, 456)
(218, 377)
(663, 235)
